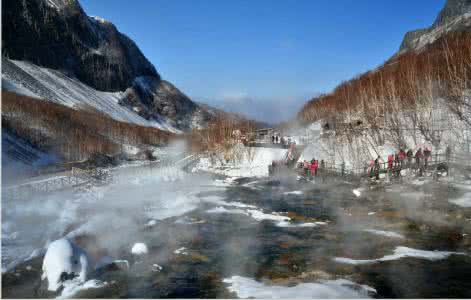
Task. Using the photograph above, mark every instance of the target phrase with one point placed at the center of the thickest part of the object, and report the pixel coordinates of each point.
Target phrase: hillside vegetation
(73, 134)
(411, 80)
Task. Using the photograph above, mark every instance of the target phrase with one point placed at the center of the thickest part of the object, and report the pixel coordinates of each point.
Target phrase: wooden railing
(73, 178)
(433, 162)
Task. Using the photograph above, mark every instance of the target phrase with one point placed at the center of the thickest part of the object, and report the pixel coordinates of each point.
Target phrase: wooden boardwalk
(433, 164)
(75, 177)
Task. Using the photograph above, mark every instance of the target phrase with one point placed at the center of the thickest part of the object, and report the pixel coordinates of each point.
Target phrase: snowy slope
(31, 80)
(19, 158)
(253, 162)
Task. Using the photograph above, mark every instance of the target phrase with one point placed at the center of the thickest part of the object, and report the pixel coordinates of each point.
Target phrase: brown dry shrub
(73, 134)
(446, 63)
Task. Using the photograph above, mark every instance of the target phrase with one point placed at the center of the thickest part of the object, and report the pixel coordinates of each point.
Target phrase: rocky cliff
(58, 35)
(455, 16)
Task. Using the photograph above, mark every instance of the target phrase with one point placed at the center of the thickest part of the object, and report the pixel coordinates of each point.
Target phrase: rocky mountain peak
(452, 9)
(455, 16)
(63, 4)
(58, 34)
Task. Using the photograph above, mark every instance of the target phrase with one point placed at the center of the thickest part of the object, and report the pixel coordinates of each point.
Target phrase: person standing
(402, 157)
(427, 156)
(410, 154)
(314, 166)
(419, 160)
(377, 167)
(372, 168)
(448, 153)
(307, 169)
(390, 162)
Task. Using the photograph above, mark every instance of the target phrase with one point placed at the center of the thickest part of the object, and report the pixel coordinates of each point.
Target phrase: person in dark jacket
(427, 156)
(409, 154)
(419, 156)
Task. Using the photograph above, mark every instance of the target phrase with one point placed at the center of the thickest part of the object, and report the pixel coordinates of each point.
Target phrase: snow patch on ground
(357, 192)
(223, 210)
(218, 201)
(400, 252)
(157, 268)
(139, 249)
(72, 287)
(249, 288)
(307, 224)
(260, 216)
(254, 212)
(293, 193)
(181, 250)
(151, 223)
(463, 201)
(390, 234)
(254, 164)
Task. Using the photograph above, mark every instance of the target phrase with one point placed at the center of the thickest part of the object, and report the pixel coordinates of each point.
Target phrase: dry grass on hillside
(73, 134)
(442, 70)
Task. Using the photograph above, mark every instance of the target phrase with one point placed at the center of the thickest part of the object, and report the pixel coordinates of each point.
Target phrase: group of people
(310, 168)
(275, 139)
(397, 161)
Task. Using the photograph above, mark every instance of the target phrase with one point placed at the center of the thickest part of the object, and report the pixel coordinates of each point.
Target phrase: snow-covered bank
(400, 252)
(253, 162)
(20, 159)
(390, 234)
(248, 288)
(463, 201)
(143, 193)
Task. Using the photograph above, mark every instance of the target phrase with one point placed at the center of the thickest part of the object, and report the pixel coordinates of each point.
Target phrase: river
(214, 237)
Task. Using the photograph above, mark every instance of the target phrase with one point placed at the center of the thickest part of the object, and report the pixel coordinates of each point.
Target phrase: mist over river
(212, 236)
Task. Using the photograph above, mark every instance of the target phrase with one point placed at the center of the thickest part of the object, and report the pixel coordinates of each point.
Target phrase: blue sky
(269, 55)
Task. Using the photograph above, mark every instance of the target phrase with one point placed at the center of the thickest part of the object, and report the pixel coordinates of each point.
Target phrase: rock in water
(64, 261)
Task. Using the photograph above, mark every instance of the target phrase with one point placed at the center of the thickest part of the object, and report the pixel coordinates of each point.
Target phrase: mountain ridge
(59, 35)
(454, 16)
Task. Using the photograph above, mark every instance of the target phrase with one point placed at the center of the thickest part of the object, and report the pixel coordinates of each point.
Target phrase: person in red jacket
(314, 167)
(402, 157)
(390, 161)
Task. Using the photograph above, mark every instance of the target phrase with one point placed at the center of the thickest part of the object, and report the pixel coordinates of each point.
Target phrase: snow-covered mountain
(52, 50)
(29, 79)
(455, 16)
